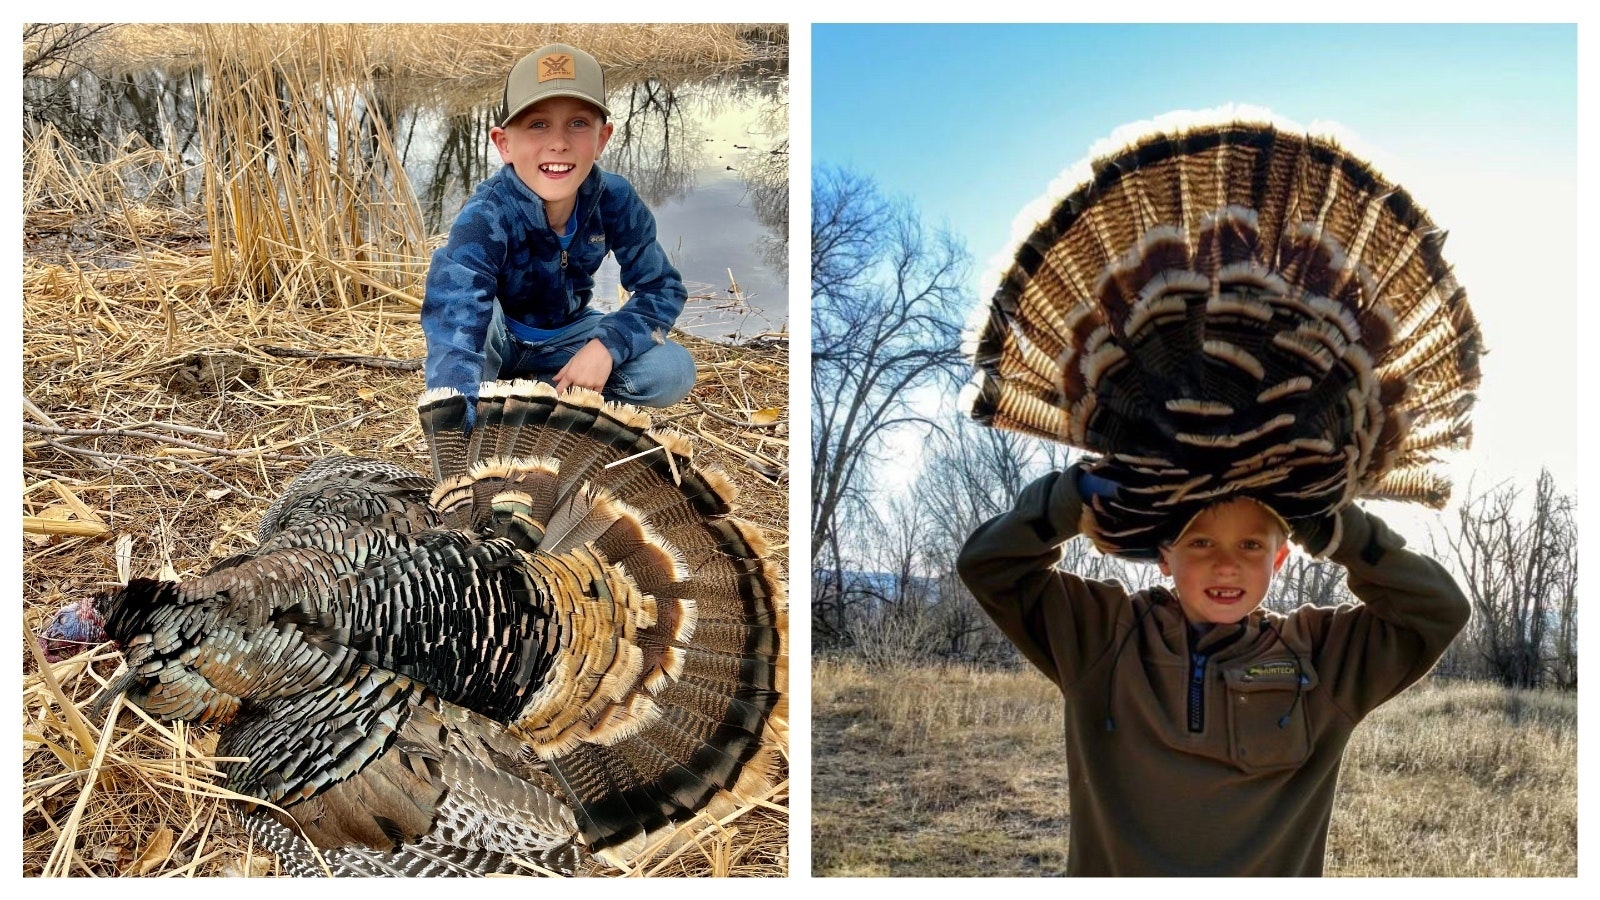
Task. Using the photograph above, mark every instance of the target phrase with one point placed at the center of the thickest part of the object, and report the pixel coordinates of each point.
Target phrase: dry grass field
(956, 772)
(473, 51)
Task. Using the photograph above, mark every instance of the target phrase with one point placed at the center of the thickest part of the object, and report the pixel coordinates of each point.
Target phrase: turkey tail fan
(443, 413)
(662, 701)
(1232, 309)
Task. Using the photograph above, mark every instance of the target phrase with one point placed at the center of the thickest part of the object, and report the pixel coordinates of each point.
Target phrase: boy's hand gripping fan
(1236, 309)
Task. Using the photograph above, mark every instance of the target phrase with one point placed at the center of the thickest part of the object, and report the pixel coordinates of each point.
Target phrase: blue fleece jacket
(502, 248)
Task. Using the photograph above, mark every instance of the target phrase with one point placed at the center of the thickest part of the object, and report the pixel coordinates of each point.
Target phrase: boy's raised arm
(1058, 620)
(1410, 611)
(656, 287)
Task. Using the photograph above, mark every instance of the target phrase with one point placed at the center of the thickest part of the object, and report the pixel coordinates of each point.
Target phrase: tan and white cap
(1282, 522)
(554, 70)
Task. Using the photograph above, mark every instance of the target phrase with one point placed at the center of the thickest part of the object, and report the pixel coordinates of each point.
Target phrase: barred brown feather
(1254, 306)
(559, 646)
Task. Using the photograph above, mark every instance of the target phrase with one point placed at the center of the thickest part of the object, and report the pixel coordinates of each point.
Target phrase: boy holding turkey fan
(1251, 328)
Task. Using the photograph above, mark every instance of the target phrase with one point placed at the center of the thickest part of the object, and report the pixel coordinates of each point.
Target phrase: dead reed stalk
(308, 191)
(472, 51)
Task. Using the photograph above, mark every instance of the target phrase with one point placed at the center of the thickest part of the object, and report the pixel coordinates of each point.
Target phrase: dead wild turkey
(560, 645)
(1232, 309)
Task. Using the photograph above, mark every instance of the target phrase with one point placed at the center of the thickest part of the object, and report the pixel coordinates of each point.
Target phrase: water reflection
(650, 144)
(99, 116)
(708, 151)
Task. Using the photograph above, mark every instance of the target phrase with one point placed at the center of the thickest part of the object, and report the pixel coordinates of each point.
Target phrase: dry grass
(956, 772)
(1461, 779)
(305, 186)
(454, 67)
(307, 189)
(475, 51)
(935, 772)
(158, 418)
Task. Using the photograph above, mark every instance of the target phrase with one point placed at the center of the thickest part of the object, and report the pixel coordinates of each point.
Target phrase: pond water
(707, 151)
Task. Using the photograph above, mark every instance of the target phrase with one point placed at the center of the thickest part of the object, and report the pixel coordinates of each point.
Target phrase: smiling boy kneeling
(508, 296)
(1204, 734)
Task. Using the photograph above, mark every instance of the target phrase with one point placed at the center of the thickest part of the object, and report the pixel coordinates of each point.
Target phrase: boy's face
(1224, 561)
(553, 145)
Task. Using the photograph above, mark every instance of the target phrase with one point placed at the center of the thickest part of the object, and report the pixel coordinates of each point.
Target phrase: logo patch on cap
(556, 65)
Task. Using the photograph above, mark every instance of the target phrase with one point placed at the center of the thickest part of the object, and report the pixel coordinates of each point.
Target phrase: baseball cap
(1282, 523)
(554, 70)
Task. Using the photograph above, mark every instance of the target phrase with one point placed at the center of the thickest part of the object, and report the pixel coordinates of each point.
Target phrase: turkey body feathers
(562, 647)
(363, 490)
(1232, 310)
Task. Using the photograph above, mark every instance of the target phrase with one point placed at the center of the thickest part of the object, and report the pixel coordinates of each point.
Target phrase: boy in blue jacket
(508, 295)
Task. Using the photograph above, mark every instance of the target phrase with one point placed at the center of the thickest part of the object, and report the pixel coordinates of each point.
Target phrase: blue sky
(973, 122)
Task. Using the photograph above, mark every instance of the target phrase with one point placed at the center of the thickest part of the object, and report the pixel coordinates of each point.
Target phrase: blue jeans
(660, 376)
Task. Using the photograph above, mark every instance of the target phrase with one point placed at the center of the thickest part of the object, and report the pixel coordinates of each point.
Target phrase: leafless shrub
(1520, 572)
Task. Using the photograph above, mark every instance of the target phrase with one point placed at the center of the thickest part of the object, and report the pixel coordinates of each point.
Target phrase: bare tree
(901, 548)
(59, 49)
(837, 595)
(1564, 670)
(1304, 580)
(886, 299)
(972, 474)
(894, 620)
(1521, 575)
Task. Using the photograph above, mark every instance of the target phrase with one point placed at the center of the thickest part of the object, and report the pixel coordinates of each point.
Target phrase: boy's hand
(1314, 534)
(588, 368)
(1090, 486)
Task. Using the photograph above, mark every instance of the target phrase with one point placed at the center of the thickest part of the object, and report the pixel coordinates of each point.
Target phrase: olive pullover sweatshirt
(1215, 755)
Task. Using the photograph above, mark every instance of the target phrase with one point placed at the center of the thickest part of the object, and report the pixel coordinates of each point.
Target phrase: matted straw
(164, 408)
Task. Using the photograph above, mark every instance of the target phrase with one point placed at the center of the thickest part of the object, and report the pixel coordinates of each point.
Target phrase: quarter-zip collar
(533, 205)
(1223, 641)
(1206, 640)
(1212, 639)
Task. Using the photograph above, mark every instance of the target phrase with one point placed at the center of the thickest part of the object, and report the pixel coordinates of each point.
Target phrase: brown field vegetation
(469, 51)
(181, 363)
(452, 66)
(933, 771)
